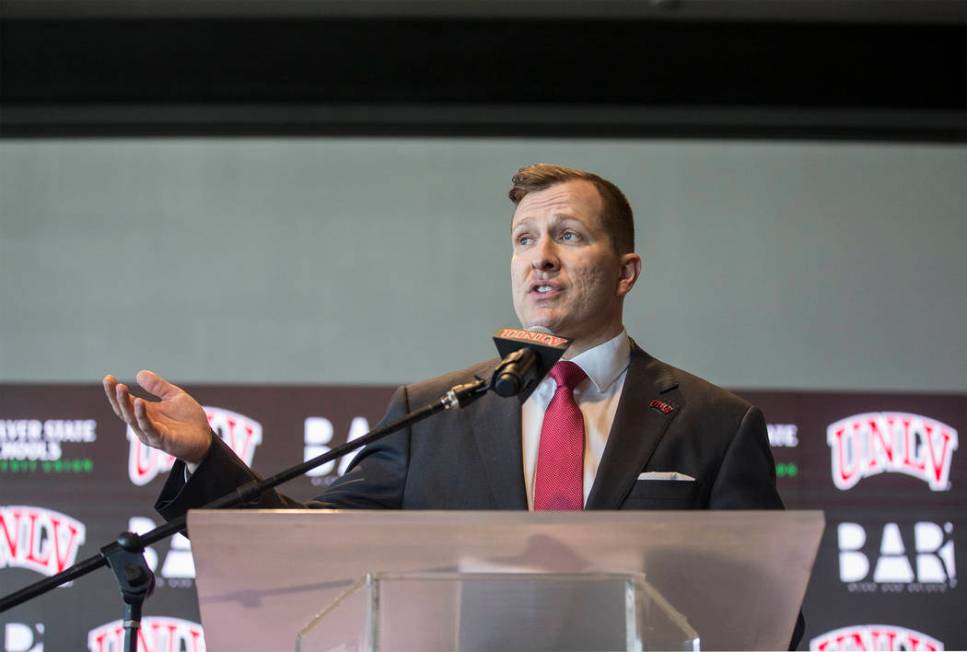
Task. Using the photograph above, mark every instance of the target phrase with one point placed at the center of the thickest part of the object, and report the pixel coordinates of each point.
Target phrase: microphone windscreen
(548, 347)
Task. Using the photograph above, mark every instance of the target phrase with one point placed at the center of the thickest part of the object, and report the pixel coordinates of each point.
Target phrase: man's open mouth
(545, 290)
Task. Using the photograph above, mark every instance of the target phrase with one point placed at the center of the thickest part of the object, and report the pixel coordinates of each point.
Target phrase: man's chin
(547, 323)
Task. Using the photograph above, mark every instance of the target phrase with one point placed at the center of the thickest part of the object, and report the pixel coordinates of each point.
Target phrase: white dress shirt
(606, 366)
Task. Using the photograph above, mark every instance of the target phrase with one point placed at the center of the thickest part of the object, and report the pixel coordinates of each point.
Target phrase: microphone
(527, 356)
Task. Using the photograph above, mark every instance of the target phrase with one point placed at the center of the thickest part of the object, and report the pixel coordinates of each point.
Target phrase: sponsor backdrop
(886, 469)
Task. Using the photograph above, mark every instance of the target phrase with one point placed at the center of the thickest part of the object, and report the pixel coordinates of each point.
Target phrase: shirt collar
(605, 362)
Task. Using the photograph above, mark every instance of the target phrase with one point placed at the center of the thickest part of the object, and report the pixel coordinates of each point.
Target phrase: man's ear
(628, 273)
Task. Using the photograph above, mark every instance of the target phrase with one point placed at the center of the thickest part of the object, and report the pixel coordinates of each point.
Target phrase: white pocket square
(666, 475)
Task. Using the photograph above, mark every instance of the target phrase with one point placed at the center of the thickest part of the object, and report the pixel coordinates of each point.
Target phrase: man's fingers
(124, 404)
(127, 413)
(156, 384)
(110, 387)
(141, 414)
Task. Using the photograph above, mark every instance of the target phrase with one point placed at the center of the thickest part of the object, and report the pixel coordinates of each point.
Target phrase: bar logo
(23, 637)
(893, 560)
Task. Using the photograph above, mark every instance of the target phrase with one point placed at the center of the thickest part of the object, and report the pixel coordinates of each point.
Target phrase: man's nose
(546, 255)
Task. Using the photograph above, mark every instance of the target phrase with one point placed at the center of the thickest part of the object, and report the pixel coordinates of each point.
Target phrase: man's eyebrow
(567, 216)
(556, 216)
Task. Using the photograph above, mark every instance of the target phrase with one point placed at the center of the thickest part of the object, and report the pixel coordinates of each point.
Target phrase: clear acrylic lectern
(482, 612)
(468, 581)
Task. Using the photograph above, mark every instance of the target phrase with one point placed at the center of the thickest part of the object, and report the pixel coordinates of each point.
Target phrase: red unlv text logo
(157, 634)
(241, 433)
(532, 336)
(874, 637)
(38, 539)
(865, 445)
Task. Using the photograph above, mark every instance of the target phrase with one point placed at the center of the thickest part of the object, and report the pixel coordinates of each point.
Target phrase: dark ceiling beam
(116, 76)
(549, 121)
(774, 11)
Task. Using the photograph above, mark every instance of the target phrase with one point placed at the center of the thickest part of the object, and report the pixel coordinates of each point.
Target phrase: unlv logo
(930, 568)
(868, 444)
(38, 539)
(157, 634)
(874, 637)
(241, 433)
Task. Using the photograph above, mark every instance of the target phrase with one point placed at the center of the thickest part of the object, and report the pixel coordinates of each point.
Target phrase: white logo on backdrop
(33, 439)
(318, 436)
(783, 435)
(178, 563)
(929, 567)
(23, 637)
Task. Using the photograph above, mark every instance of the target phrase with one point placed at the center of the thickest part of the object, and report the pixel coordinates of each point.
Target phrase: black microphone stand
(125, 556)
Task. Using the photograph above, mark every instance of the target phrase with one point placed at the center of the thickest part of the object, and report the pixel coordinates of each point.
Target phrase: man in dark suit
(611, 428)
(472, 458)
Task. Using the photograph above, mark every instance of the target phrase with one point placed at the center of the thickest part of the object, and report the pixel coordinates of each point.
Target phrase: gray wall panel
(325, 260)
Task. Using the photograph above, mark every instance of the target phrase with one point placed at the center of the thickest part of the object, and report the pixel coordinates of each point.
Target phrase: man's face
(566, 274)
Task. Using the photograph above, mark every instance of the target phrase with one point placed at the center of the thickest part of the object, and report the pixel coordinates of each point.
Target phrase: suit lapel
(638, 427)
(495, 422)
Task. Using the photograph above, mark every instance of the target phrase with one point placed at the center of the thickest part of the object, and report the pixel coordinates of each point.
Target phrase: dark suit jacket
(471, 458)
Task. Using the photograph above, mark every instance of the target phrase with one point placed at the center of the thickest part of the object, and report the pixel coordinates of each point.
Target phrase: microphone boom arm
(457, 397)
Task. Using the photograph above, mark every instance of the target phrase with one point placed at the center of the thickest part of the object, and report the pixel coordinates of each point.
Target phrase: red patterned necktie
(560, 459)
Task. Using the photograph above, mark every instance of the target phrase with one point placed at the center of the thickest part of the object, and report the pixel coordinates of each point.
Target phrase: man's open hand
(176, 424)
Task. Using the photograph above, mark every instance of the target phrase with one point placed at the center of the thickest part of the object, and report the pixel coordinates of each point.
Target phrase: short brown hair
(616, 217)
